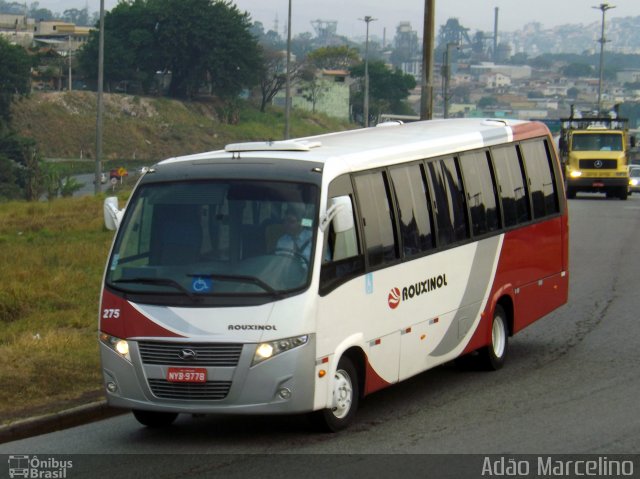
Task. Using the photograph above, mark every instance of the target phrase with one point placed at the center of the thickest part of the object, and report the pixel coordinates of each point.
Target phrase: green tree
(486, 101)
(334, 58)
(578, 70)
(9, 189)
(388, 90)
(273, 76)
(79, 17)
(312, 87)
(14, 77)
(27, 164)
(15, 172)
(198, 43)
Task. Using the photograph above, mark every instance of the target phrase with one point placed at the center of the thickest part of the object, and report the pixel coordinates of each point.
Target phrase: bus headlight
(118, 345)
(633, 182)
(575, 174)
(270, 349)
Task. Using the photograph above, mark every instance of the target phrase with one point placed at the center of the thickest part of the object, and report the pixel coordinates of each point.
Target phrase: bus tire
(571, 192)
(345, 397)
(155, 418)
(493, 356)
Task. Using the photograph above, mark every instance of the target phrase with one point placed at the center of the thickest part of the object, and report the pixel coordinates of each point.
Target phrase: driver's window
(342, 257)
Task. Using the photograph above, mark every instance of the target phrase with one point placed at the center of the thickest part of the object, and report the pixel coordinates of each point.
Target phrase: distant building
(494, 80)
(515, 72)
(17, 29)
(61, 36)
(330, 92)
(16, 23)
(628, 76)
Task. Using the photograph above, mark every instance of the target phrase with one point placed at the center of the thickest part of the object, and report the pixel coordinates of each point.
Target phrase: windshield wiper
(240, 279)
(158, 282)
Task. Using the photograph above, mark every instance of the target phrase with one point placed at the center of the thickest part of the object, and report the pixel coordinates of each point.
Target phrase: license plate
(598, 184)
(187, 375)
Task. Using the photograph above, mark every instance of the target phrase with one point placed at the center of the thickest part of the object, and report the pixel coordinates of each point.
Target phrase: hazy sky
(474, 14)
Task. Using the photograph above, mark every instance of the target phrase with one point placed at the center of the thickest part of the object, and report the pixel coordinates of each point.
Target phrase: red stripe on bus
(129, 323)
(373, 381)
(528, 130)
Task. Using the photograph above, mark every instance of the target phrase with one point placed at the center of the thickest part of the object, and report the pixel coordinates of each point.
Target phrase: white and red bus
(302, 275)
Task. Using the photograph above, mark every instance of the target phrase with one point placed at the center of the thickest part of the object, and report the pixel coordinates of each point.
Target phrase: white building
(494, 80)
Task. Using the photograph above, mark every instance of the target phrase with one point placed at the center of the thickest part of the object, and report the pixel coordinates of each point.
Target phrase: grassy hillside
(53, 256)
(148, 128)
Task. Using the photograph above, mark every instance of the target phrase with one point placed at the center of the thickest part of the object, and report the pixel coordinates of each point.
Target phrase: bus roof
(385, 144)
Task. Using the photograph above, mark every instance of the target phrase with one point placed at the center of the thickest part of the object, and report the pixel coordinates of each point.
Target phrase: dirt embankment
(64, 125)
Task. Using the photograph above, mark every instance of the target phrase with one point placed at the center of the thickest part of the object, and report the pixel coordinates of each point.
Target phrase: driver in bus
(296, 240)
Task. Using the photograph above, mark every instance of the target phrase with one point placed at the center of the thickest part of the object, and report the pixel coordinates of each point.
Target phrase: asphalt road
(570, 386)
(88, 187)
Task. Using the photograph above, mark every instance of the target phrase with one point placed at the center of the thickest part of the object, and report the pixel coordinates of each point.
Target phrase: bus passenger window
(513, 192)
(377, 219)
(413, 209)
(480, 192)
(540, 171)
(450, 212)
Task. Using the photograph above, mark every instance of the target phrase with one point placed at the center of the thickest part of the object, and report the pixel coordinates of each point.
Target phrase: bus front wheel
(155, 418)
(345, 399)
(493, 356)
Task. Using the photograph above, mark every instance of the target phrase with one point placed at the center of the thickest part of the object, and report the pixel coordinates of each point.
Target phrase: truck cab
(595, 152)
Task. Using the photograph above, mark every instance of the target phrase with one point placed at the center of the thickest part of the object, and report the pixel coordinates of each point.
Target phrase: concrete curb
(56, 421)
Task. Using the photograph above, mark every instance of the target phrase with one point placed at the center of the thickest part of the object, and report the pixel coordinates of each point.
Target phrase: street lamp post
(603, 7)
(367, 19)
(100, 106)
(69, 83)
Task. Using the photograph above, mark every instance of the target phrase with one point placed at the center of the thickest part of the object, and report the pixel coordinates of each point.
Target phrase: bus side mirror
(341, 213)
(112, 215)
(633, 142)
(343, 220)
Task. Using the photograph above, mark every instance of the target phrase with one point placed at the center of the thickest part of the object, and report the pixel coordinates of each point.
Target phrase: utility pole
(69, 84)
(426, 98)
(367, 19)
(604, 7)
(287, 96)
(100, 108)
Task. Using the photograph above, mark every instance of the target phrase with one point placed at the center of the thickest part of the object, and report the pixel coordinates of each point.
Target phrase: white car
(634, 179)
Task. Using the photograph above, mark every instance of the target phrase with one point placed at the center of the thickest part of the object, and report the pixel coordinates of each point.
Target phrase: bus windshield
(597, 142)
(222, 238)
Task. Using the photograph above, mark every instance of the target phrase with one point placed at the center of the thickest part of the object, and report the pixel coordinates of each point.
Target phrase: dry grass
(51, 261)
(148, 128)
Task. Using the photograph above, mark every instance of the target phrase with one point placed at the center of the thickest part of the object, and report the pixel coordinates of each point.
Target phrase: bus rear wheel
(493, 356)
(155, 418)
(345, 399)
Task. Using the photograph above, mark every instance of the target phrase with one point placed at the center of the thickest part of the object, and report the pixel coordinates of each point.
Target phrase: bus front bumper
(283, 384)
(595, 184)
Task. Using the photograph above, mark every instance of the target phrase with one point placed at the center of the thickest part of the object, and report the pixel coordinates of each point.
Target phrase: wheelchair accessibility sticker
(201, 284)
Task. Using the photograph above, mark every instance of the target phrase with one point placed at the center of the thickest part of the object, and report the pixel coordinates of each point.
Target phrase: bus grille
(212, 390)
(604, 165)
(220, 354)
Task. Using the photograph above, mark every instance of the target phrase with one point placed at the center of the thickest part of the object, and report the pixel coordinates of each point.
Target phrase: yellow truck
(595, 152)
